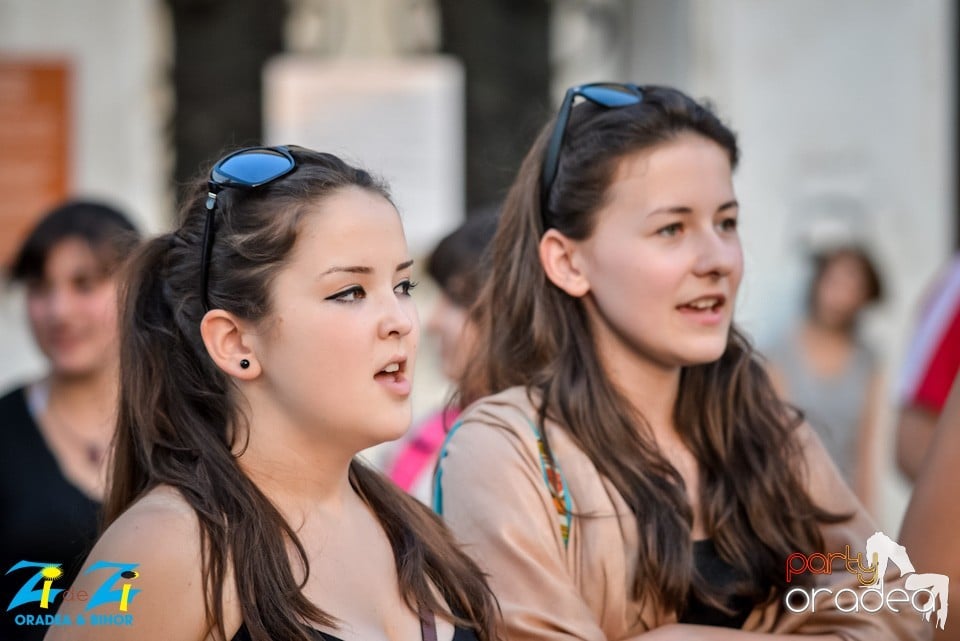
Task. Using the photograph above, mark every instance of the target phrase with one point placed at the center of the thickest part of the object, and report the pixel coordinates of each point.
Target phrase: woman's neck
(292, 465)
(651, 390)
(90, 401)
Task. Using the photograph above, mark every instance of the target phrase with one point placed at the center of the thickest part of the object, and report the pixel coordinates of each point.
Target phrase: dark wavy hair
(458, 262)
(178, 417)
(105, 229)
(533, 334)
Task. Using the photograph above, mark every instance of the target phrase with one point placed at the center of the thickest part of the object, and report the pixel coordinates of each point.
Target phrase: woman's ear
(562, 260)
(224, 337)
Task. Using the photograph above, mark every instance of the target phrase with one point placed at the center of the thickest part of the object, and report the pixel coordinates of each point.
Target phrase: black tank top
(43, 517)
(719, 573)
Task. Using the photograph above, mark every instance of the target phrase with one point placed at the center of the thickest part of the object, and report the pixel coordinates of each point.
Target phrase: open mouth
(394, 371)
(393, 376)
(704, 305)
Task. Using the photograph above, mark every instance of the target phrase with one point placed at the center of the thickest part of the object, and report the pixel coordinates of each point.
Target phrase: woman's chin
(391, 430)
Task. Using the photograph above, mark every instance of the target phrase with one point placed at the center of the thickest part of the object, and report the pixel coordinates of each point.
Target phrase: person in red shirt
(931, 366)
(932, 520)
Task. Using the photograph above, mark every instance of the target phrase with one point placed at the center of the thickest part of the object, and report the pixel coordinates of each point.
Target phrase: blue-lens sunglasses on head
(244, 169)
(605, 94)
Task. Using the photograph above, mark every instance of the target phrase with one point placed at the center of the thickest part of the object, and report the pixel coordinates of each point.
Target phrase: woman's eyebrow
(362, 269)
(351, 269)
(683, 209)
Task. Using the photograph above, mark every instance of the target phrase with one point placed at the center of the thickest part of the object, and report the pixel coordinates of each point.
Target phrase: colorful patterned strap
(552, 477)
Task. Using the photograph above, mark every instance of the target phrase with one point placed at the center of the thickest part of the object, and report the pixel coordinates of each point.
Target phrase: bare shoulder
(159, 529)
(142, 580)
(162, 506)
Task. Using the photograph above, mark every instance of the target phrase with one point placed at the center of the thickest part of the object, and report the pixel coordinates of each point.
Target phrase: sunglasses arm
(551, 159)
(211, 205)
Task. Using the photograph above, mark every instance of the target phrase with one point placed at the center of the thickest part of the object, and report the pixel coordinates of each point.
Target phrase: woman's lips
(395, 382)
(706, 310)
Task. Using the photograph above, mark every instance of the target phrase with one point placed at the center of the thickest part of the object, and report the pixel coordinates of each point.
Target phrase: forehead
(71, 254)
(845, 263)
(351, 224)
(674, 168)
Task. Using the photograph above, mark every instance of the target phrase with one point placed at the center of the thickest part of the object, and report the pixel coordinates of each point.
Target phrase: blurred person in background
(457, 266)
(55, 432)
(931, 365)
(824, 368)
(931, 525)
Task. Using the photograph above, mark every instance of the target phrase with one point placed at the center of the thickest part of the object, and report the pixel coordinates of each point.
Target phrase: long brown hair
(178, 415)
(533, 334)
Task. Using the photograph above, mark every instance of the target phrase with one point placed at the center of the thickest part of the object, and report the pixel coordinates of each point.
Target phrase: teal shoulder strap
(438, 474)
(552, 477)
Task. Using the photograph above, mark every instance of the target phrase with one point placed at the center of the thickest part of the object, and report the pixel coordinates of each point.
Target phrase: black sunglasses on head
(244, 169)
(605, 94)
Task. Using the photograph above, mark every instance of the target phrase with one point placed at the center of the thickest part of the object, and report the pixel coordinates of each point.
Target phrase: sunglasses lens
(252, 168)
(612, 96)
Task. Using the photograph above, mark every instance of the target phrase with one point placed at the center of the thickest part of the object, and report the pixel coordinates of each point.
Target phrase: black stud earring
(244, 364)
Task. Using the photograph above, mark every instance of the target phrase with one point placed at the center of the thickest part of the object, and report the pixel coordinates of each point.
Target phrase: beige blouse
(492, 494)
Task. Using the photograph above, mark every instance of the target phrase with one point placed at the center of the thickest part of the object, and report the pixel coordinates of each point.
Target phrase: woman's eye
(349, 295)
(728, 224)
(670, 230)
(84, 285)
(405, 287)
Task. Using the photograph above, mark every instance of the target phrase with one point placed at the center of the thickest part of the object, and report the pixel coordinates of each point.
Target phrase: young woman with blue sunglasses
(266, 342)
(624, 468)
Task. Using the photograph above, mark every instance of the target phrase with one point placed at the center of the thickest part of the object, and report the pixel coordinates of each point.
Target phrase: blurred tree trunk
(220, 47)
(504, 46)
